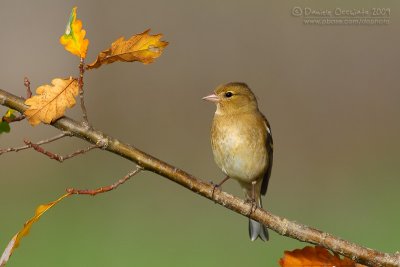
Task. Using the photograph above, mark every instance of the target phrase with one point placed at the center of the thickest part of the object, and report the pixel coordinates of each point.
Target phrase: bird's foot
(253, 206)
(215, 186)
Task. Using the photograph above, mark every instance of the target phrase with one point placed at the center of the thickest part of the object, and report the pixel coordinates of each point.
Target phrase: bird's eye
(228, 94)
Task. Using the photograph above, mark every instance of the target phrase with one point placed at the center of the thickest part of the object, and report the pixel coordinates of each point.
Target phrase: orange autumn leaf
(51, 101)
(141, 47)
(314, 256)
(73, 39)
(14, 243)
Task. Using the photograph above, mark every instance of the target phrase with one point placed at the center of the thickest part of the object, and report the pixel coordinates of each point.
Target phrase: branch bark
(276, 223)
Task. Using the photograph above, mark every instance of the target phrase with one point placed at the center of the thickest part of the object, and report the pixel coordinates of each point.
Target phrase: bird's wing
(270, 149)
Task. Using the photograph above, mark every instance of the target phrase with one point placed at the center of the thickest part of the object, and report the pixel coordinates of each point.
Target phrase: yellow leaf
(8, 116)
(51, 101)
(142, 47)
(10, 113)
(73, 38)
(14, 243)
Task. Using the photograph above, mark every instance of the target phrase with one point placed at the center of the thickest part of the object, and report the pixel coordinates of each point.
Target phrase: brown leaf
(314, 256)
(14, 243)
(51, 101)
(142, 47)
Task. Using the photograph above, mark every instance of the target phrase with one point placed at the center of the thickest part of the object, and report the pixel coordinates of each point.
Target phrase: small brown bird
(242, 144)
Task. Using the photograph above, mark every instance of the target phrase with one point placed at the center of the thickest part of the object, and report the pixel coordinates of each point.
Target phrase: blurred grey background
(331, 94)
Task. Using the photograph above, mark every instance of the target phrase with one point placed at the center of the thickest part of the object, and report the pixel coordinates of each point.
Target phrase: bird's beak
(211, 98)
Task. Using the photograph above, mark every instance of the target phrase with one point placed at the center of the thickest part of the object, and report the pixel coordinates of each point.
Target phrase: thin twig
(276, 223)
(81, 92)
(55, 156)
(27, 84)
(78, 152)
(104, 189)
(42, 142)
(11, 120)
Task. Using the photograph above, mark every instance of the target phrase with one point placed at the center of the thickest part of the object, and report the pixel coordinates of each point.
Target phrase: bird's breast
(239, 148)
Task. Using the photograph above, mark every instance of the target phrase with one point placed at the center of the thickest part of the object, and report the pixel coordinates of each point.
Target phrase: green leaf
(4, 127)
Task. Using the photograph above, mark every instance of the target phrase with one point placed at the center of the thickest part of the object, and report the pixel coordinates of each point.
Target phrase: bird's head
(231, 98)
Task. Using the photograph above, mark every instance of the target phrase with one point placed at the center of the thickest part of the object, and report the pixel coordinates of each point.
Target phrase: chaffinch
(242, 144)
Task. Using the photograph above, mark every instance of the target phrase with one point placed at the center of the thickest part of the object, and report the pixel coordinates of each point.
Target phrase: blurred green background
(331, 94)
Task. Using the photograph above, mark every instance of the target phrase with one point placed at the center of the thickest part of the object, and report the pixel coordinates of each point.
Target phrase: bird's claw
(215, 186)
(253, 206)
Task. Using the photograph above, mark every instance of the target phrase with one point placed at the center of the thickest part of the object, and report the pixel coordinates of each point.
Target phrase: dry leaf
(74, 37)
(314, 256)
(14, 243)
(51, 101)
(142, 47)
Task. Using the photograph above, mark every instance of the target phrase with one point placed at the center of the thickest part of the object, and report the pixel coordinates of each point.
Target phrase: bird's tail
(256, 229)
(253, 193)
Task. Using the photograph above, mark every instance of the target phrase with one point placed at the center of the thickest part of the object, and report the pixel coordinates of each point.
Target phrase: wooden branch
(276, 223)
(27, 84)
